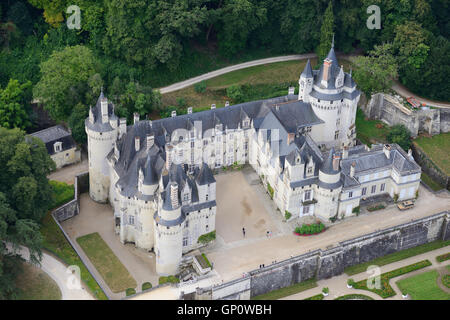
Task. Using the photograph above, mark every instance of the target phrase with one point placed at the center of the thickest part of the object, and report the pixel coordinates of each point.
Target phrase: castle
(158, 175)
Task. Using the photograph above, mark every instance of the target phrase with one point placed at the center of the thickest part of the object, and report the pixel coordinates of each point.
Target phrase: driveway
(232, 260)
(67, 174)
(59, 273)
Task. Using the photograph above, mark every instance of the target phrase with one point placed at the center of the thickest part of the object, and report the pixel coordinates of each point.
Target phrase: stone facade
(390, 109)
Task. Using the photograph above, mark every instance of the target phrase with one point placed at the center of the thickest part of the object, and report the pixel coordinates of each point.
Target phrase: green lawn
(430, 182)
(370, 131)
(35, 284)
(107, 264)
(397, 256)
(284, 292)
(438, 149)
(423, 287)
(385, 290)
(266, 81)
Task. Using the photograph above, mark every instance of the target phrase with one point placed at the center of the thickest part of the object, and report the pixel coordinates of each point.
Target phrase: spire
(307, 72)
(332, 42)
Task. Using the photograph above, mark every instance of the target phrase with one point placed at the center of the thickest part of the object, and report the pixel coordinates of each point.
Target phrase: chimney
(169, 149)
(291, 90)
(137, 143)
(174, 113)
(336, 160)
(91, 115)
(387, 150)
(104, 107)
(213, 106)
(291, 137)
(189, 110)
(122, 127)
(352, 169)
(174, 195)
(150, 141)
(326, 70)
(135, 117)
(345, 153)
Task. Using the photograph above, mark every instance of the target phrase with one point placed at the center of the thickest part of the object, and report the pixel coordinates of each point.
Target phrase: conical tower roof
(307, 72)
(327, 165)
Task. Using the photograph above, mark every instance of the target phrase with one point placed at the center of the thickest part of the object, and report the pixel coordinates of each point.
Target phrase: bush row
(310, 228)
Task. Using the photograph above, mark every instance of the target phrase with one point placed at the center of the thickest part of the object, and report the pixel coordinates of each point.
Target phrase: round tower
(169, 225)
(101, 129)
(329, 186)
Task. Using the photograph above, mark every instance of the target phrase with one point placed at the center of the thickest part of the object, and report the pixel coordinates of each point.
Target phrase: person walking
(243, 232)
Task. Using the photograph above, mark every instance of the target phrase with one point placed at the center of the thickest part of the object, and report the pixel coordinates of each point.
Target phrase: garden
(385, 290)
(423, 287)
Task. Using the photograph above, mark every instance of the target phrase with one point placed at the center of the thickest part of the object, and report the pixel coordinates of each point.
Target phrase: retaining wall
(323, 264)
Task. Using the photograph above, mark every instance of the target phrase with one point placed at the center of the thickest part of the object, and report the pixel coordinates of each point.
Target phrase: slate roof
(307, 71)
(98, 126)
(54, 134)
(327, 165)
(204, 175)
(375, 160)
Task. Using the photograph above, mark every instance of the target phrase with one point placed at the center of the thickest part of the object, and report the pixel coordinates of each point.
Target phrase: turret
(101, 128)
(305, 83)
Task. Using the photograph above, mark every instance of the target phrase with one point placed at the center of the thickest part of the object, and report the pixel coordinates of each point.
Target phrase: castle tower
(329, 186)
(169, 225)
(333, 97)
(305, 83)
(101, 128)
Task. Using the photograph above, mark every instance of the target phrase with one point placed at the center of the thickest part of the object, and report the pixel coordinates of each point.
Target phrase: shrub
(169, 279)
(200, 87)
(269, 188)
(374, 208)
(206, 260)
(325, 290)
(146, 286)
(310, 228)
(236, 93)
(395, 197)
(316, 297)
(356, 210)
(61, 192)
(181, 102)
(130, 292)
(400, 135)
(207, 237)
(351, 282)
(417, 194)
(443, 257)
(287, 215)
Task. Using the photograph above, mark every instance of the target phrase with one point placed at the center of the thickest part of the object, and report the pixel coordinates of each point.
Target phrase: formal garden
(423, 286)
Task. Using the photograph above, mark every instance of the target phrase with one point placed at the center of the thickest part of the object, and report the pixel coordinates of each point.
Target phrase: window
(350, 194)
(336, 135)
(185, 241)
(131, 220)
(58, 146)
(186, 225)
(205, 142)
(310, 170)
(383, 185)
(338, 121)
(374, 188)
(306, 210)
(245, 145)
(207, 228)
(192, 144)
(186, 197)
(364, 191)
(307, 195)
(206, 197)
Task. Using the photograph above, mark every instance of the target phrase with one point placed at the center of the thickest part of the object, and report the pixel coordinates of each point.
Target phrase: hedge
(443, 257)
(353, 297)
(386, 290)
(146, 286)
(310, 228)
(169, 279)
(316, 297)
(130, 292)
(207, 237)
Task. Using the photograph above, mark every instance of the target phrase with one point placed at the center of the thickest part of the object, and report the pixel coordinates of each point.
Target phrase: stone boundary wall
(72, 208)
(429, 167)
(386, 108)
(323, 264)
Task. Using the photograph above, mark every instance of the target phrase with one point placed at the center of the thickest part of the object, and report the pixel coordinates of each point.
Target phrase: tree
(64, 80)
(25, 197)
(14, 105)
(400, 135)
(76, 122)
(326, 33)
(375, 72)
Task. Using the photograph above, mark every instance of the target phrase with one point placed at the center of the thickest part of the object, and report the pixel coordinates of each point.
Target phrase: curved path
(400, 89)
(58, 272)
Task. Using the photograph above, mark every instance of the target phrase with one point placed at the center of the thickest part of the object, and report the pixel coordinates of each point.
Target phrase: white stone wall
(168, 248)
(66, 157)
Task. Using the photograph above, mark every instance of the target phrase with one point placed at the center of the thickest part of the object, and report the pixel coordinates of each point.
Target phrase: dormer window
(58, 146)
(310, 169)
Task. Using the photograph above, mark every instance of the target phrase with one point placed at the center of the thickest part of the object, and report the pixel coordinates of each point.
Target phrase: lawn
(56, 243)
(35, 284)
(423, 287)
(437, 148)
(62, 193)
(430, 182)
(397, 256)
(370, 131)
(107, 264)
(287, 291)
(266, 81)
(385, 290)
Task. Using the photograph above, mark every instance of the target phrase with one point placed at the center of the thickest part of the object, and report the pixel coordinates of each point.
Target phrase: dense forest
(132, 46)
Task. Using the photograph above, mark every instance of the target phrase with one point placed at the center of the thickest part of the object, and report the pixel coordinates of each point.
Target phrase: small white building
(158, 175)
(60, 145)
